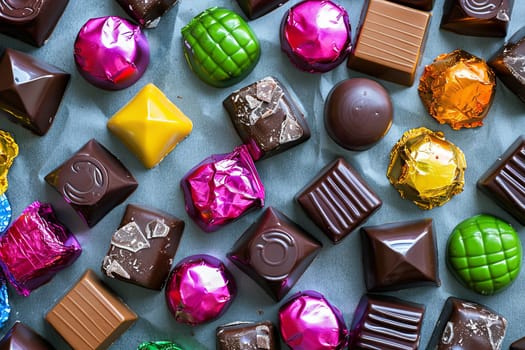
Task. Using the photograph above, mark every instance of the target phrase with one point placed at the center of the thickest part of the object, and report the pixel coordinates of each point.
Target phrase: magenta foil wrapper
(307, 321)
(316, 35)
(222, 188)
(111, 52)
(200, 288)
(35, 248)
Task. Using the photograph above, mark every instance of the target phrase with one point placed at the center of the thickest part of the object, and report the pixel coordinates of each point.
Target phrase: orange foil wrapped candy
(426, 169)
(458, 89)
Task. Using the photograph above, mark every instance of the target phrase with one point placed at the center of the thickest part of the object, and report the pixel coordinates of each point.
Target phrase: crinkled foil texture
(8, 153)
(426, 169)
(222, 188)
(159, 345)
(35, 248)
(308, 321)
(458, 89)
(200, 288)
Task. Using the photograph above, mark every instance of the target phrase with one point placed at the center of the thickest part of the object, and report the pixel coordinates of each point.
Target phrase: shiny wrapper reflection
(111, 52)
(5, 307)
(426, 169)
(458, 89)
(199, 289)
(5, 213)
(222, 188)
(35, 248)
(159, 345)
(307, 321)
(8, 153)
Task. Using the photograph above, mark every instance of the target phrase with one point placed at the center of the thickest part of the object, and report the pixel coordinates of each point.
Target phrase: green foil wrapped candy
(484, 254)
(220, 47)
(159, 345)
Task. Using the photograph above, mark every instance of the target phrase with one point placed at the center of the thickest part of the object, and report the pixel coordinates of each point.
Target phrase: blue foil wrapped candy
(5, 213)
(5, 307)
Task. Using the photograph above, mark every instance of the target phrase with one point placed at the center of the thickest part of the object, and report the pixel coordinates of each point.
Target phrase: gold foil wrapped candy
(458, 89)
(426, 169)
(8, 153)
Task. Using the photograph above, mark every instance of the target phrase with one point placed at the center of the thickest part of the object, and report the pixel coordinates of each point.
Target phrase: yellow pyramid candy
(150, 125)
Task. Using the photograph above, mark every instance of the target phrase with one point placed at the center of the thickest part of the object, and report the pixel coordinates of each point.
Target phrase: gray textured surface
(337, 272)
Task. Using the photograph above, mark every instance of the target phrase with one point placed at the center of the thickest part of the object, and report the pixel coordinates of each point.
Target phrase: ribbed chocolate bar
(383, 320)
(390, 41)
(89, 316)
(505, 180)
(338, 200)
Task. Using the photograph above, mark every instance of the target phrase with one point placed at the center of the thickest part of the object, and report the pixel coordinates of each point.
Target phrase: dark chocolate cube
(93, 181)
(257, 8)
(380, 320)
(275, 252)
(508, 64)
(478, 18)
(247, 336)
(21, 337)
(32, 21)
(30, 90)
(266, 118)
(338, 200)
(142, 249)
(425, 5)
(504, 181)
(399, 255)
(467, 325)
(146, 12)
(518, 344)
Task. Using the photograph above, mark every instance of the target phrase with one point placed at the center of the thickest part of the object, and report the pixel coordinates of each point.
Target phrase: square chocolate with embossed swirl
(142, 249)
(93, 181)
(275, 252)
(31, 21)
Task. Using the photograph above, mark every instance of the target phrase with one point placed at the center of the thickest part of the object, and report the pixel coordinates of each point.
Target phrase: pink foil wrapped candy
(35, 248)
(199, 289)
(315, 35)
(222, 188)
(307, 321)
(111, 52)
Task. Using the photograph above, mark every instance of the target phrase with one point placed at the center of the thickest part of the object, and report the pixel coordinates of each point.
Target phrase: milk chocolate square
(22, 337)
(89, 316)
(142, 249)
(247, 336)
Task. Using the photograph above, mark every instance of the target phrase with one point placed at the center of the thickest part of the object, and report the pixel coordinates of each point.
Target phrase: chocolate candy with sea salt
(142, 249)
(267, 118)
(111, 53)
(200, 289)
(146, 12)
(35, 248)
(93, 181)
(222, 188)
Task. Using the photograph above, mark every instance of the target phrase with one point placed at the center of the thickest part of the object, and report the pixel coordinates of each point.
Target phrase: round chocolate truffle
(358, 113)
(316, 35)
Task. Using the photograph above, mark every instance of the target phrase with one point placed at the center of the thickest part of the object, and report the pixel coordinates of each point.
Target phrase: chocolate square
(518, 344)
(380, 320)
(266, 118)
(142, 249)
(504, 181)
(400, 255)
(467, 325)
(247, 336)
(146, 12)
(390, 41)
(21, 337)
(89, 316)
(425, 5)
(31, 21)
(30, 90)
(275, 252)
(338, 200)
(256, 8)
(93, 181)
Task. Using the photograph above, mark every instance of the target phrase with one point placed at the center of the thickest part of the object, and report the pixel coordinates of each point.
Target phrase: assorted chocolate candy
(247, 336)
(425, 5)
(23, 337)
(256, 8)
(146, 12)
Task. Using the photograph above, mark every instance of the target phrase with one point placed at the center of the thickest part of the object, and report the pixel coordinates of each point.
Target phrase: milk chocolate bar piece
(247, 336)
(31, 21)
(390, 41)
(142, 249)
(425, 5)
(89, 316)
(21, 337)
(338, 200)
(504, 181)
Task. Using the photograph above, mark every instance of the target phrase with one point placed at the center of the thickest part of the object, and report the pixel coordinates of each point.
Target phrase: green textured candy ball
(220, 47)
(484, 254)
(159, 345)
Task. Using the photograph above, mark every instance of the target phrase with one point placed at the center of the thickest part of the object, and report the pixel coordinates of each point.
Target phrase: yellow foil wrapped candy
(426, 169)
(8, 153)
(150, 125)
(458, 89)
